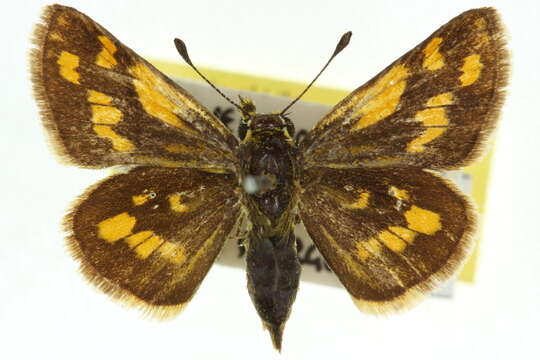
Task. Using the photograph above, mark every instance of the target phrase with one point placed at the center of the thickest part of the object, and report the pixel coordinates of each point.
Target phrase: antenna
(182, 50)
(342, 44)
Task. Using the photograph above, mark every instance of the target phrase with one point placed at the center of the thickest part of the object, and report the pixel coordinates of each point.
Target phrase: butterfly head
(256, 125)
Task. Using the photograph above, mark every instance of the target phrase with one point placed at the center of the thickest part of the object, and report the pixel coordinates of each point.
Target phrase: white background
(48, 312)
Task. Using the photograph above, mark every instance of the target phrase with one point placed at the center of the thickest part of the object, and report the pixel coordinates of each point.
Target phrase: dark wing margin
(104, 105)
(434, 107)
(390, 235)
(148, 237)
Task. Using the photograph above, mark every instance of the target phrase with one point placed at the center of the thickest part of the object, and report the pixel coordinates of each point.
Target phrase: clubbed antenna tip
(182, 50)
(342, 44)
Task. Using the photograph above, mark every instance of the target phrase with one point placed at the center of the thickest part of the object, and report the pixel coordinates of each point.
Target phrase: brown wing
(149, 237)
(433, 108)
(390, 235)
(104, 105)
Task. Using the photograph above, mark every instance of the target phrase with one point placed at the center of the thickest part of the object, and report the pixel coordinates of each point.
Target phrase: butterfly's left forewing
(104, 105)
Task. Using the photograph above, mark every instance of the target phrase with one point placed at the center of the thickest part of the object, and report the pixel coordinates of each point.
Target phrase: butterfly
(363, 181)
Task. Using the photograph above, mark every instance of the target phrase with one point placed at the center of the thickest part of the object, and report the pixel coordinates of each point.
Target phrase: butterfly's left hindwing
(149, 236)
(390, 235)
(104, 105)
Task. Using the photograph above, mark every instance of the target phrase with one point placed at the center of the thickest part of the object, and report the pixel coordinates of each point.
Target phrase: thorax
(268, 158)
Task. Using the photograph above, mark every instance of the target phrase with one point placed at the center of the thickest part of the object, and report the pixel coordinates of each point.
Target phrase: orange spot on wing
(116, 227)
(471, 69)
(97, 97)
(382, 99)
(429, 117)
(417, 145)
(440, 100)
(139, 200)
(156, 97)
(403, 233)
(138, 238)
(175, 202)
(361, 251)
(102, 114)
(105, 58)
(68, 63)
(400, 194)
(423, 220)
(433, 59)
(119, 143)
(62, 21)
(361, 202)
(432, 117)
(392, 241)
(56, 36)
(150, 245)
(373, 246)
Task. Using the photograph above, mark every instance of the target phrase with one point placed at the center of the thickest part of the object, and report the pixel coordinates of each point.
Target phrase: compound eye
(242, 130)
(289, 124)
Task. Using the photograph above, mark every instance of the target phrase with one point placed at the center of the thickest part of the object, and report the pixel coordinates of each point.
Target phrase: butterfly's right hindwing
(390, 235)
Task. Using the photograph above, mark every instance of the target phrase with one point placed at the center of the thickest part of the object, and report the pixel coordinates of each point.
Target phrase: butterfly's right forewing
(434, 107)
